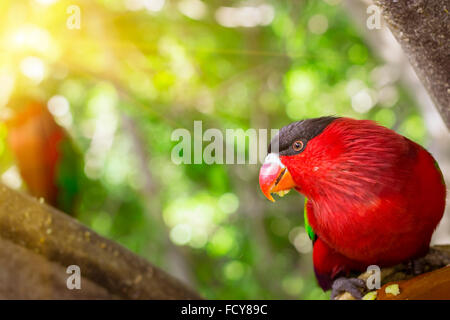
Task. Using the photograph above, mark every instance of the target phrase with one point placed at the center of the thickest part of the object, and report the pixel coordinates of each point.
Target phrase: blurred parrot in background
(45, 155)
(373, 197)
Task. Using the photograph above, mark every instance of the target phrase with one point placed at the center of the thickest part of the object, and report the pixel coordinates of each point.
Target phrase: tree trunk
(422, 27)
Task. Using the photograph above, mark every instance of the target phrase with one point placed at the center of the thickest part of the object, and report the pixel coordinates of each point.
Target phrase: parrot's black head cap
(303, 130)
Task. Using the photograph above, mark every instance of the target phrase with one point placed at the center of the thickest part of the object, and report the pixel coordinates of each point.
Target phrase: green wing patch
(308, 228)
(439, 169)
(68, 177)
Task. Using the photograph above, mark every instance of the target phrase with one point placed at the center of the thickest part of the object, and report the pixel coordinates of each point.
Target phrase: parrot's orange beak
(274, 177)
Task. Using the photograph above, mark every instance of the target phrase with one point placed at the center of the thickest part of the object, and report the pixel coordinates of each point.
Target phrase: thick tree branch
(42, 242)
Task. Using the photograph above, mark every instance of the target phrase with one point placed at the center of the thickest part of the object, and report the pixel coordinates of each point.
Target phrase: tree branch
(43, 242)
(433, 283)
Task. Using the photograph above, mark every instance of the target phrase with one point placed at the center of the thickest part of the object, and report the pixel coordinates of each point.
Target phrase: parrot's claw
(435, 259)
(354, 286)
(416, 267)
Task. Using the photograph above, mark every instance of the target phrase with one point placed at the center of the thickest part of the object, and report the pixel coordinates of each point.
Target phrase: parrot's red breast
(374, 196)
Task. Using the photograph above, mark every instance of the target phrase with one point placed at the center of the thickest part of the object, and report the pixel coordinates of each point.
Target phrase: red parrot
(374, 197)
(45, 156)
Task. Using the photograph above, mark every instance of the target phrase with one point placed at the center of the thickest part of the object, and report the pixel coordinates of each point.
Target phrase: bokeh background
(138, 69)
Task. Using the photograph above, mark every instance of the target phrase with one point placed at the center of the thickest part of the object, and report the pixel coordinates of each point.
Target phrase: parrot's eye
(298, 145)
